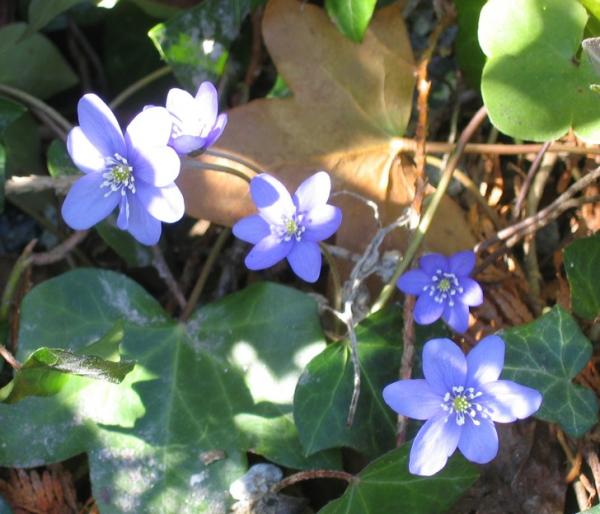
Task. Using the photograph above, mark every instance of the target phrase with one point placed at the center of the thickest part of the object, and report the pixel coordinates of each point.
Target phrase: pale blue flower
(197, 123)
(460, 398)
(444, 289)
(287, 227)
(135, 172)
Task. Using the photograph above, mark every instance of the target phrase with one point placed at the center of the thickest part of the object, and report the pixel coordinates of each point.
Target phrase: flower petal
(427, 310)
(185, 144)
(507, 401)
(151, 127)
(435, 442)
(472, 294)
(322, 222)
(251, 229)
(142, 225)
(462, 263)
(271, 198)
(457, 317)
(207, 102)
(413, 398)
(123, 218)
(158, 166)
(413, 282)
(217, 130)
(85, 204)
(313, 192)
(84, 154)
(100, 125)
(268, 251)
(305, 260)
(479, 443)
(164, 203)
(432, 262)
(180, 103)
(485, 361)
(444, 365)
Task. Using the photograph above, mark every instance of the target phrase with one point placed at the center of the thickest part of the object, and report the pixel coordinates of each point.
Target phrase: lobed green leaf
(582, 264)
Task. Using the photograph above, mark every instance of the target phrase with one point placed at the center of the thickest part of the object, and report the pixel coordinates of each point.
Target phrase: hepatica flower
(197, 123)
(289, 227)
(444, 289)
(460, 398)
(134, 171)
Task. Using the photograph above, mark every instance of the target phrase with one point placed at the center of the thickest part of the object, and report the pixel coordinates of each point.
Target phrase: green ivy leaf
(196, 42)
(533, 85)
(58, 160)
(546, 355)
(41, 12)
(9, 111)
(46, 73)
(468, 52)
(582, 263)
(386, 485)
(351, 16)
(135, 254)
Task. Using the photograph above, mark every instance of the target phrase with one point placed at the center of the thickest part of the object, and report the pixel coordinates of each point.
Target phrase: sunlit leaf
(385, 485)
(582, 264)
(351, 16)
(546, 355)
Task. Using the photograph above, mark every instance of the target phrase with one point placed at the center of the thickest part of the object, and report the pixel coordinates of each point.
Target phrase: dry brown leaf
(350, 104)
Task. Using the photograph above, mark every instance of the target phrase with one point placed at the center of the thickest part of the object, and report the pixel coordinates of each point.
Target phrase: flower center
(461, 403)
(290, 227)
(443, 287)
(118, 175)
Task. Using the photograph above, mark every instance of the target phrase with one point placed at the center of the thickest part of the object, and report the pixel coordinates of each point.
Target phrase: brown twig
(530, 174)
(594, 463)
(310, 475)
(161, 266)
(60, 251)
(9, 357)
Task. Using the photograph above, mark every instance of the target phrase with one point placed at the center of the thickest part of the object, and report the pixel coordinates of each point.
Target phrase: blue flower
(197, 123)
(135, 171)
(287, 227)
(444, 289)
(460, 398)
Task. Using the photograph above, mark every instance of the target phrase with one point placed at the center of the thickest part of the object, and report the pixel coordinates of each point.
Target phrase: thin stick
(13, 280)
(221, 169)
(204, 273)
(138, 85)
(9, 357)
(60, 251)
(37, 105)
(160, 264)
(88, 49)
(310, 475)
(431, 209)
(335, 277)
(225, 155)
(17, 185)
(530, 174)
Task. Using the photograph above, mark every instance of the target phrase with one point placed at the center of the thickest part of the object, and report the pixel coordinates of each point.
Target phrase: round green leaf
(533, 84)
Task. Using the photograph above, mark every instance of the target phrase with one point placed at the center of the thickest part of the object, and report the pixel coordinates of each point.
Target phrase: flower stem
(12, 282)
(140, 84)
(204, 273)
(234, 158)
(161, 266)
(36, 104)
(311, 474)
(431, 209)
(335, 276)
(219, 168)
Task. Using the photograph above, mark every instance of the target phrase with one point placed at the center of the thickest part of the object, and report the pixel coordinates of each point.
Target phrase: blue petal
(100, 126)
(251, 229)
(479, 443)
(207, 102)
(444, 365)
(84, 154)
(413, 398)
(457, 317)
(267, 252)
(123, 218)
(158, 166)
(432, 262)
(472, 294)
(413, 282)
(180, 103)
(217, 130)
(163, 203)
(305, 260)
(86, 205)
(142, 225)
(322, 222)
(435, 442)
(150, 128)
(313, 192)
(462, 263)
(271, 198)
(185, 144)
(427, 310)
(508, 401)
(485, 361)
